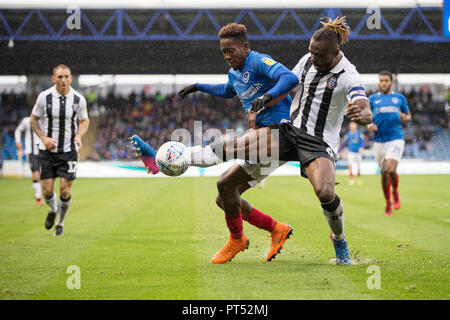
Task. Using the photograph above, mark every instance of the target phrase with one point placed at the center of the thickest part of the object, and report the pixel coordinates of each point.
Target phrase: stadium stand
(155, 117)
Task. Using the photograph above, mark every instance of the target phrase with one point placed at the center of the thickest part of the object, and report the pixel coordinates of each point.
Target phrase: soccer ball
(172, 159)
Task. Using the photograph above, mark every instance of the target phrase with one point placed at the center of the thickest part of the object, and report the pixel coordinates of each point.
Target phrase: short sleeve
(265, 65)
(39, 106)
(404, 106)
(83, 113)
(355, 87)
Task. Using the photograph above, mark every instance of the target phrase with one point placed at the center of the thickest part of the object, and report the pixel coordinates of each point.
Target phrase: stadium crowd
(155, 117)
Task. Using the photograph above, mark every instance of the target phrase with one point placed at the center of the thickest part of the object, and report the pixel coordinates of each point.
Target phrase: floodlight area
(202, 4)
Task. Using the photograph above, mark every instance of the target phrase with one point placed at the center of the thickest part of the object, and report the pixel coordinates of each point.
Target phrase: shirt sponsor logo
(250, 92)
(388, 109)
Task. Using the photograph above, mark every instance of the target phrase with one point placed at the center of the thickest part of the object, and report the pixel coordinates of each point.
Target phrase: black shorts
(33, 160)
(58, 164)
(297, 145)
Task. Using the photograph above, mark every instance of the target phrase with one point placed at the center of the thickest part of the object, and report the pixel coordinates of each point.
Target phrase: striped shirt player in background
(330, 87)
(32, 154)
(256, 79)
(354, 140)
(390, 110)
(58, 109)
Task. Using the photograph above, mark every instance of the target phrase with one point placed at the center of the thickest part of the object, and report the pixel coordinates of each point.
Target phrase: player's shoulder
(349, 69)
(373, 96)
(78, 94)
(303, 59)
(46, 92)
(42, 96)
(258, 58)
(398, 95)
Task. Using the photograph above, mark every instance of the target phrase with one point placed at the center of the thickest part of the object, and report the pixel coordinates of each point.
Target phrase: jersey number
(72, 166)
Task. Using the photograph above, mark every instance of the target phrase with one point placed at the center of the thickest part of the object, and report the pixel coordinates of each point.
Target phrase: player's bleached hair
(61, 66)
(386, 73)
(234, 30)
(333, 30)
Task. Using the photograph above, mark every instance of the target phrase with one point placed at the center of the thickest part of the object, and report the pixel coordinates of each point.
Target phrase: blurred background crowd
(154, 117)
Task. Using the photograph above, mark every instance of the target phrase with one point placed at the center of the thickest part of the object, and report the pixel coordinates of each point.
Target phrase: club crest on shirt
(246, 76)
(394, 100)
(332, 82)
(75, 107)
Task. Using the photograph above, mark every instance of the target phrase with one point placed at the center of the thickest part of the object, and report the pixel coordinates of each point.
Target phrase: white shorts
(259, 171)
(354, 157)
(388, 150)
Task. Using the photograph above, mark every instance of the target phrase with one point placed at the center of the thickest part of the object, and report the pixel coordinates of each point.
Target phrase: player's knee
(224, 184)
(325, 194)
(47, 193)
(65, 193)
(219, 201)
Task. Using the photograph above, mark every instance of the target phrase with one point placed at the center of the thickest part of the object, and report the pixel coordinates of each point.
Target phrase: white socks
(63, 207)
(202, 156)
(334, 212)
(37, 189)
(51, 202)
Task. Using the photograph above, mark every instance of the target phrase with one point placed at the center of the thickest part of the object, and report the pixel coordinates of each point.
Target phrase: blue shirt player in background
(354, 139)
(390, 109)
(262, 85)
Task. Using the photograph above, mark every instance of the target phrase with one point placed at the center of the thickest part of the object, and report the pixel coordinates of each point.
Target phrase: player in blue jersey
(390, 109)
(258, 81)
(354, 139)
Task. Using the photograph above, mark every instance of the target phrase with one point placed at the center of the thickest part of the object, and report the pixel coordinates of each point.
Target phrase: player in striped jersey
(32, 154)
(58, 109)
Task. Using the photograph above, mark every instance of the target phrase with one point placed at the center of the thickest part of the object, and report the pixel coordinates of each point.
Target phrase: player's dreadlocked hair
(333, 30)
(234, 30)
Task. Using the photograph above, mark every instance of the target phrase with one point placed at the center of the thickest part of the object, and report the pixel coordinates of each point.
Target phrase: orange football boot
(279, 235)
(231, 249)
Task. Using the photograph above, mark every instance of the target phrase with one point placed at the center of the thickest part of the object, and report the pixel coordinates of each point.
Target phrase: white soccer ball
(172, 159)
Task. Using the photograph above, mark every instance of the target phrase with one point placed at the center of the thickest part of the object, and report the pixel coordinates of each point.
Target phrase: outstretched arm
(218, 90)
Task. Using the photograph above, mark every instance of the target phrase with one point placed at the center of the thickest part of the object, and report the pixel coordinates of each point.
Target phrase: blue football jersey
(386, 110)
(253, 80)
(355, 141)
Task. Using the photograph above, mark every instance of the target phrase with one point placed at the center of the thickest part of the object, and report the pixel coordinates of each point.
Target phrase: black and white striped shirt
(320, 102)
(31, 138)
(59, 115)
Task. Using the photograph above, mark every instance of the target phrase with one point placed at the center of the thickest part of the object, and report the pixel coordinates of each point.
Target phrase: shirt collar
(337, 68)
(57, 94)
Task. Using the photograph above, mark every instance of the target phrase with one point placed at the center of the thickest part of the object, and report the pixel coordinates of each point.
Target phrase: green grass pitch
(154, 238)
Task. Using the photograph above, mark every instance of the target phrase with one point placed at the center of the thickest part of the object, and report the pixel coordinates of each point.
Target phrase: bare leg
(321, 175)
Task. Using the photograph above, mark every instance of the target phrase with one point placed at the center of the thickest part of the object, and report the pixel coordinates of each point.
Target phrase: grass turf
(153, 239)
